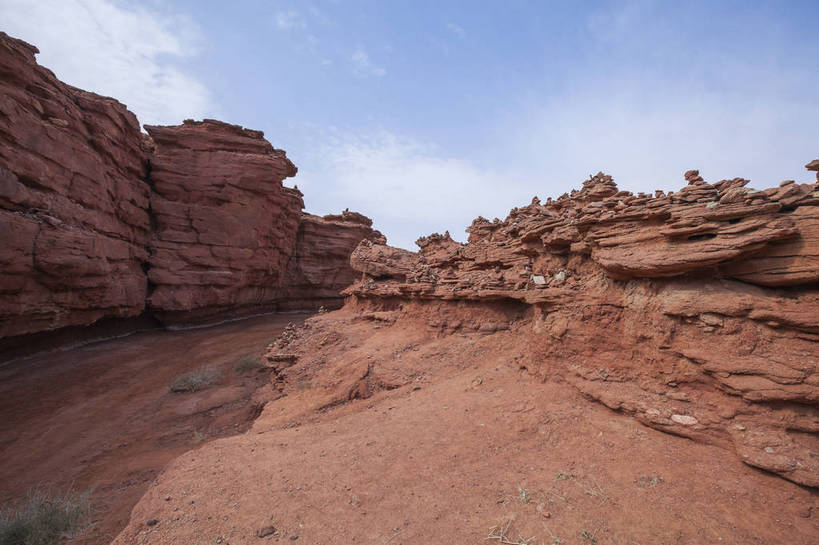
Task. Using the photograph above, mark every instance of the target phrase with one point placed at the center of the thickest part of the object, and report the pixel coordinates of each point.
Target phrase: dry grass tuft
(44, 518)
(500, 533)
(195, 381)
(248, 363)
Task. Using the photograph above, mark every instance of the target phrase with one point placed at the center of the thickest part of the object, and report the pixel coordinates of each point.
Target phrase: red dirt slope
(395, 431)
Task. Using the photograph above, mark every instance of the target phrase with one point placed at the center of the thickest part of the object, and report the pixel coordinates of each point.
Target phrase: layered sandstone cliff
(695, 311)
(320, 267)
(225, 225)
(74, 225)
(190, 222)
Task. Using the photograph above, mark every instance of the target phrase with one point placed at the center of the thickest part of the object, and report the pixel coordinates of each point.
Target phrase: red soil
(390, 432)
(102, 416)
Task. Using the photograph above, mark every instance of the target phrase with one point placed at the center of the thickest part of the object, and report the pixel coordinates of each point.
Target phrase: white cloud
(645, 134)
(301, 37)
(456, 29)
(409, 189)
(363, 65)
(648, 137)
(650, 113)
(127, 53)
(287, 20)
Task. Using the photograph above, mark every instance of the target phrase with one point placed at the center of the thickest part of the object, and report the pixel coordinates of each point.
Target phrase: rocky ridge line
(695, 311)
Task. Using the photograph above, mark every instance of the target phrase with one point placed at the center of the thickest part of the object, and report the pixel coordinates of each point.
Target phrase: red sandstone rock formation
(225, 225)
(95, 217)
(695, 311)
(73, 201)
(319, 268)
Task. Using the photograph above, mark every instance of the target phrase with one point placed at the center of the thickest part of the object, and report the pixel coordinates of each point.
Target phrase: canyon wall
(225, 225)
(694, 311)
(74, 222)
(320, 268)
(187, 223)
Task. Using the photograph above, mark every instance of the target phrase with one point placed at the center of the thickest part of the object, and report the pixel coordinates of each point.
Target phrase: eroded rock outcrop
(225, 225)
(694, 311)
(74, 225)
(98, 220)
(319, 268)
(229, 238)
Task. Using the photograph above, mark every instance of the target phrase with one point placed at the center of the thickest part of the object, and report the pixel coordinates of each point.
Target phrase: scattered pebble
(265, 531)
(684, 419)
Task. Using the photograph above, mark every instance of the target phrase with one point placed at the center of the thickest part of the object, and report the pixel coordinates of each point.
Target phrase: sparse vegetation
(500, 533)
(198, 437)
(552, 493)
(44, 518)
(648, 481)
(248, 363)
(555, 540)
(596, 491)
(195, 381)
(589, 537)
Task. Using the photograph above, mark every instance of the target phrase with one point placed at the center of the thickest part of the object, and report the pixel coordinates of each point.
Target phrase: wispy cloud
(456, 29)
(643, 131)
(410, 188)
(289, 19)
(646, 134)
(300, 27)
(364, 66)
(617, 22)
(131, 54)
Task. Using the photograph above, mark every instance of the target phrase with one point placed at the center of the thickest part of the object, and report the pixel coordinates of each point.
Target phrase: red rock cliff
(320, 266)
(98, 220)
(74, 225)
(695, 311)
(225, 225)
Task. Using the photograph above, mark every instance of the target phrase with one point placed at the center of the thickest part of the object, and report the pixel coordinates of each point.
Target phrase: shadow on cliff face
(103, 416)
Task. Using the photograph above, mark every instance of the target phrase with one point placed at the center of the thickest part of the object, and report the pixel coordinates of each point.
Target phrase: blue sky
(424, 115)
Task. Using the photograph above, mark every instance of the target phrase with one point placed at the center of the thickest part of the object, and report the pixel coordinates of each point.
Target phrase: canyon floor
(389, 432)
(102, 416)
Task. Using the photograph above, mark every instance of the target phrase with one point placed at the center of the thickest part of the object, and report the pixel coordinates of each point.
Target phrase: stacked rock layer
(225, 225)
(98, 220)
(74, 224)
(696, 311)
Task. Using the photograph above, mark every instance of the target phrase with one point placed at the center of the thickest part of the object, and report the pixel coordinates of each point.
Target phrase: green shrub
(195, 380)
(248, 363)
(44, 518)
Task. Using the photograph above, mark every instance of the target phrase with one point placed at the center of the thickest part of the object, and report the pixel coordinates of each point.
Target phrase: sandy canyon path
(102, 416)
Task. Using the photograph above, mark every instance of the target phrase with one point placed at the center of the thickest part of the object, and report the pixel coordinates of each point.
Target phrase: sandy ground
(102, 416)
(391, 434)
